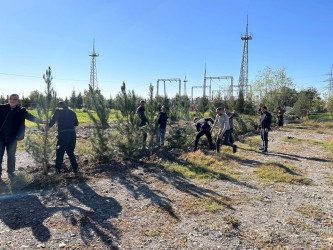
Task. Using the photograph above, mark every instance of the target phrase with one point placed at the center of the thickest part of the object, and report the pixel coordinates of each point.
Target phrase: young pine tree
(41, 144)
(128, 135)
(152, 110)
(101, 151)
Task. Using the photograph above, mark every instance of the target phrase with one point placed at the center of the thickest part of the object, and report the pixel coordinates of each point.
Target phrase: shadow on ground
(31, 211)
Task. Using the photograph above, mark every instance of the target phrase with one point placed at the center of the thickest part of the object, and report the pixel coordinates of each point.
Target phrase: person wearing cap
(223, 120)
(12, 129)
(203, 128)
(67, 121)
(162, 121)
(264, 127)
(141, 113)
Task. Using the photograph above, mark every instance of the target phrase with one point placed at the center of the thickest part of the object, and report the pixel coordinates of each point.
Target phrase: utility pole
(185, 81)
(168, 80)
(93, 70)
(244, 71)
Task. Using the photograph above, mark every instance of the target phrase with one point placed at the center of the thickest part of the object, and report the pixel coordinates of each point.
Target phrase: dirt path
(137, 206)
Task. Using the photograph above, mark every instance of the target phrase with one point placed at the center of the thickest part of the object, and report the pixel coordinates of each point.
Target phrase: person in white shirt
(223, 120)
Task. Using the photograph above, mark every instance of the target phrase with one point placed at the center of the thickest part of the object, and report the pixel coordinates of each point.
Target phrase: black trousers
(66, 143)
(10, 144)
(264, 138)
(231, 139)
(226, 140)
(209, 137)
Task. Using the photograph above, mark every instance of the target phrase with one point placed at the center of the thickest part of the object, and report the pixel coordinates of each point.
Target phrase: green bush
(181, 135)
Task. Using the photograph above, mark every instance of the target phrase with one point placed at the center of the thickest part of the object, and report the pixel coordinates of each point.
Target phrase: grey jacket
(223, 121)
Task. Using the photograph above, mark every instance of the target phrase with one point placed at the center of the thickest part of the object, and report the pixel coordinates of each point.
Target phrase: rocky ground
(138, 205)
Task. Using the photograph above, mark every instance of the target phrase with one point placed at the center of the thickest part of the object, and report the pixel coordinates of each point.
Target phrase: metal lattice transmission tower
(93, 70)
(243, 81)
(204, 84)
(330, 82)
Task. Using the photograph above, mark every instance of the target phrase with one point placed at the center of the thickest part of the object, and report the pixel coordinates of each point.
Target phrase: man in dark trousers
(222, 120)
(203, 128)
(67, 120)
(12, 129)
(141, 113)
(162, 121)
(264, 127)
(231, 122)
(280, 112)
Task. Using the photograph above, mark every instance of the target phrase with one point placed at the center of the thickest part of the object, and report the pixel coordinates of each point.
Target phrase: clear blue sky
(140, 41)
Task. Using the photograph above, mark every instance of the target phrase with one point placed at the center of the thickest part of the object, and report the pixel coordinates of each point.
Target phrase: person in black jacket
(162, 121)
(203, 128)
(67, 121)
(141, 113)
(264, 127)
(12, 129)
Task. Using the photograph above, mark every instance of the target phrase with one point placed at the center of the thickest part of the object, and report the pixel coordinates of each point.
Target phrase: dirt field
(172, 199)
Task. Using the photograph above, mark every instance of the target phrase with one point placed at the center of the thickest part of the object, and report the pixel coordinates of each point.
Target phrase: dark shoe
(264, 151)
(57, 171)
(76, 173)
(234, 148)
(261, 148)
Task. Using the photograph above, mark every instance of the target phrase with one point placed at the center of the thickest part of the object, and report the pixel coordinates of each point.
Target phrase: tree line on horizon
(123, 138)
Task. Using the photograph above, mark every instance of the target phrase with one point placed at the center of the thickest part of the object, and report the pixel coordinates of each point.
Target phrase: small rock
(62, 245)
(219, 235)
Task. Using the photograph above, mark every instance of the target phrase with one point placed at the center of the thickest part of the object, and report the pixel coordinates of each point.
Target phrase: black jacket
(265, 121)
(18, 121)
(202, 124)
(162, 119)
(141, 113)
(66, 119)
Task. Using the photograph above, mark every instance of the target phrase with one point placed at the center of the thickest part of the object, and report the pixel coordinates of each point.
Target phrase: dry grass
(299, 224)
(202, 166)
(277, 172)
(198, 205)
(311, 211)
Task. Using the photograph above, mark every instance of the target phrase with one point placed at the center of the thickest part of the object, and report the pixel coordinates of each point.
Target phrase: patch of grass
(311, 211)
(299, 224)
(278, 172)
(198, 205)
(262, 199)
(82, 116)
(201, 166)
(215, 205)
(320, 116)
(232, 221)
(328, 145)
(252, 142)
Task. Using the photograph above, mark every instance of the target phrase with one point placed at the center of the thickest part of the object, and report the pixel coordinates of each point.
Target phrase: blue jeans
(161, 136)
